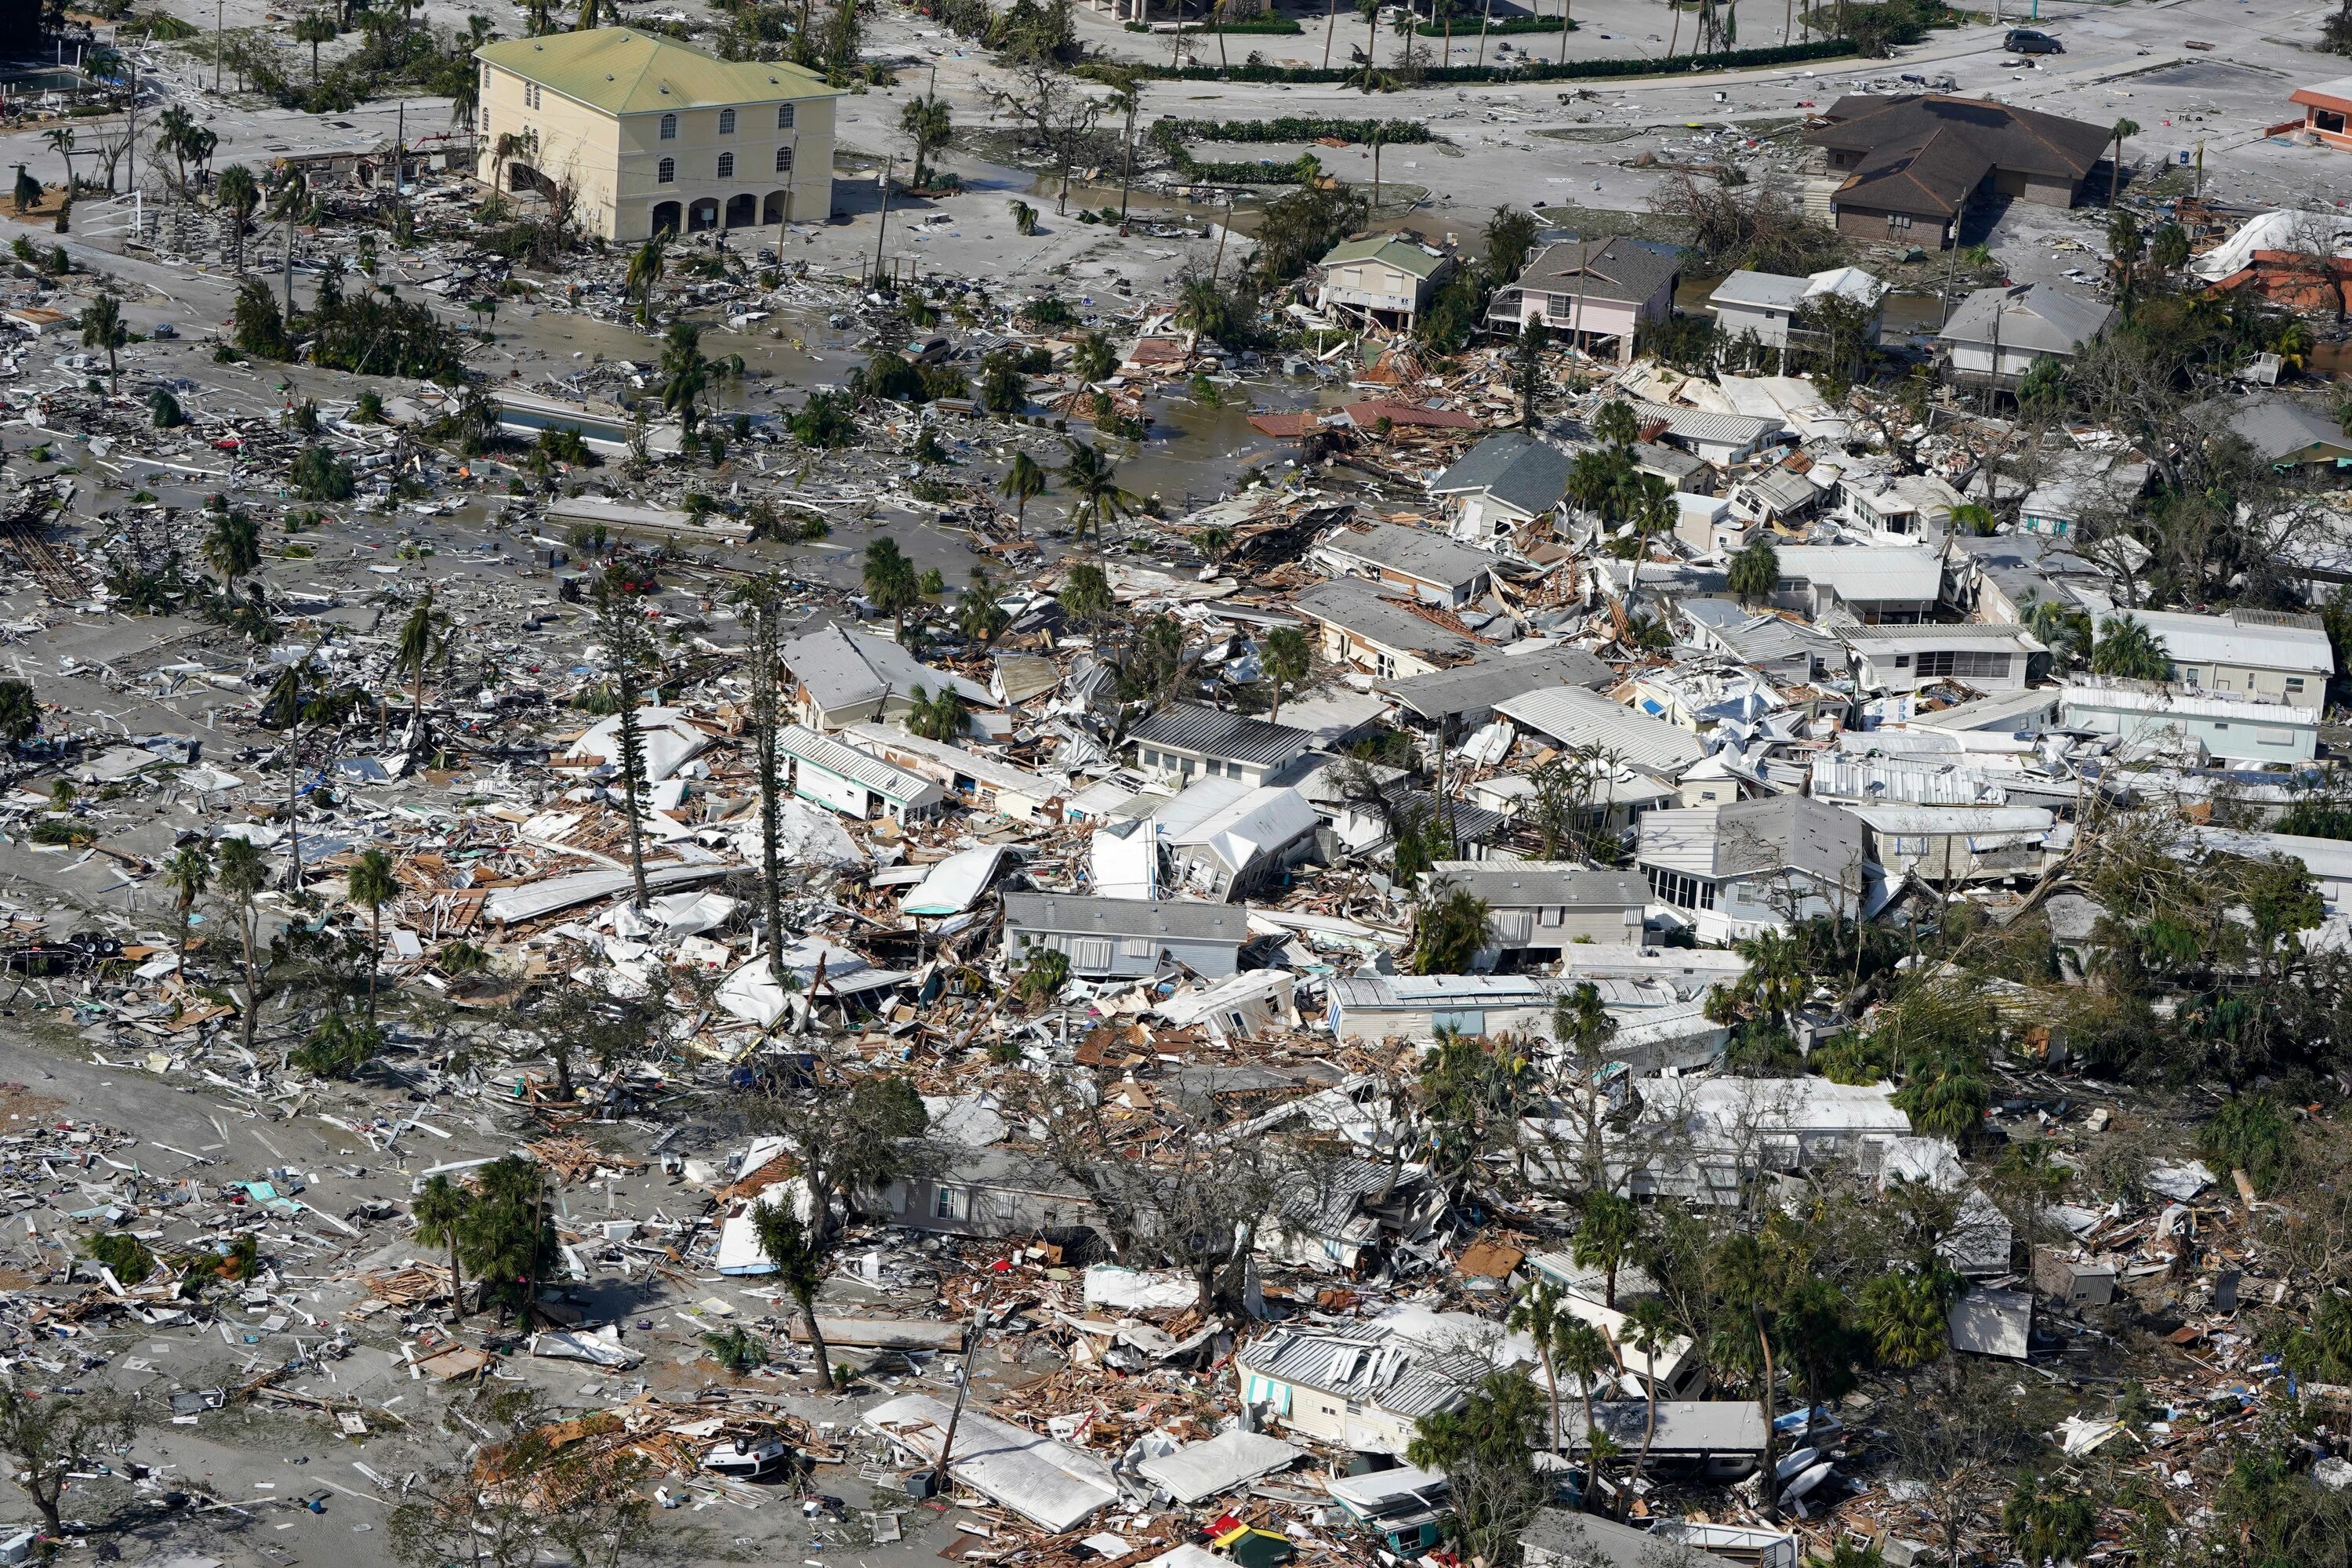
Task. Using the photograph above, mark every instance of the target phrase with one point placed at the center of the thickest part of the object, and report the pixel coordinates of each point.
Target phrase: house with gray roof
(2287, 433)
(1791, 652)
(1421, 561)
(1504, 482)
(1186, 740)
(1537, 907)
(1123, 938)
(1991, 658)
(1464, 694)
(1381, 634)
(1997, 334)
(2272, 654)
(1362, 1386)
(846, 678)
(1721, 439)
(1752, 866)
(854, 783)
(1596, 292)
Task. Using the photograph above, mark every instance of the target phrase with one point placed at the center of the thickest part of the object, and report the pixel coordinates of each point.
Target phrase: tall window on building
(726, 165)
(783, 160)
(783, 117)
(666, 172)
(727, 122)
(530, 94)
(669, 128)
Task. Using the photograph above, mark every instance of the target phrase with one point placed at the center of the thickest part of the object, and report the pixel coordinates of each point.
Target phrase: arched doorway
(772, 211)
(666, 217)
(702, 215)
(742, 210)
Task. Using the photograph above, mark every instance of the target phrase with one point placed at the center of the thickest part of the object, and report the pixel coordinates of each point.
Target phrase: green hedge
(1171, 130)
(1465, 28)
(1534, 70)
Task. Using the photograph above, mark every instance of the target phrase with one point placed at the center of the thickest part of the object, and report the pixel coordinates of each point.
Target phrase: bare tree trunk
(816, 1343)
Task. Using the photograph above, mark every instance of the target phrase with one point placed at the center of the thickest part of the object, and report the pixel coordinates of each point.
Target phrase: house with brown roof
(1912, 163)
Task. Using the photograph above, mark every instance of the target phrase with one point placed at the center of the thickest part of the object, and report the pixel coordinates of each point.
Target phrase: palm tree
(891, 584)
(173, 128)
(626, 651)
(61, 143)
(233, 548)
(424, 637)
(2117, 133)
(1092, 481)
(685, 373)
(372, 885)
(1755, 572)
(1777, 977)
(316, 27)
(2127, 649)
(1094, 359)
(1583, 1351)
(441, 1211)
(1655, 511)
(1537, 1314)
(1286, 659)
(1648, 1331)
(1024, 482)
(1370, 10)
(243, 873)
(102, 327)
(189, 876)
(290, 699)
(645, 274)
(1201, 306)
(924, 121)
(238, 193)
(1605, 1238)
(1748, 1280)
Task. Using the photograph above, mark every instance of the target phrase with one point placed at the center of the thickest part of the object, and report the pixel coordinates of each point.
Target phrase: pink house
(1600, 290)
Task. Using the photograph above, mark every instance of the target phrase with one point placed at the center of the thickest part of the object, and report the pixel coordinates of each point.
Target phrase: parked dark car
(2032, 41)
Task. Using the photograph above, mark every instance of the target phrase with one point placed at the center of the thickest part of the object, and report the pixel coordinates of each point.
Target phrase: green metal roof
(623, 71)
(1388, 248)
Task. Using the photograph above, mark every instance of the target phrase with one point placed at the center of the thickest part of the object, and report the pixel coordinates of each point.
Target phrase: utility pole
(1376, 175)
(1127, 150)
(220, 40)
(1216, 265)
(963, 1386)
(131, 110)
(1486, 20)
(289, 261)
(882, 229)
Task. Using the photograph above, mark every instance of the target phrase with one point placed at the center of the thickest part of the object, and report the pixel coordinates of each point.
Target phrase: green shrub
(2250, 1133)
(1531, 70)
(737, 1349)
(126, 1256)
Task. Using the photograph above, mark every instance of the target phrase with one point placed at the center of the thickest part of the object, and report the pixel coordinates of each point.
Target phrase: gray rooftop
(1180, 919)
(1528, 884)
(1514, 467)
(1213, 733)
(2041, 318)
(1358, 607)
(1620, 269)
(1419, 553)
(1496, 677)
(2279, 428)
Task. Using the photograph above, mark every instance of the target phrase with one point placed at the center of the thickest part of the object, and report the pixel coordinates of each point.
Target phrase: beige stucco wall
(614, 161)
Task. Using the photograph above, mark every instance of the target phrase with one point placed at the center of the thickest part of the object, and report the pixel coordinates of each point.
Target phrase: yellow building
(652, 135)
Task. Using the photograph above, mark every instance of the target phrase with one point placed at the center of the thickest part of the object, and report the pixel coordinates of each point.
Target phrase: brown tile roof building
(1912, 163)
